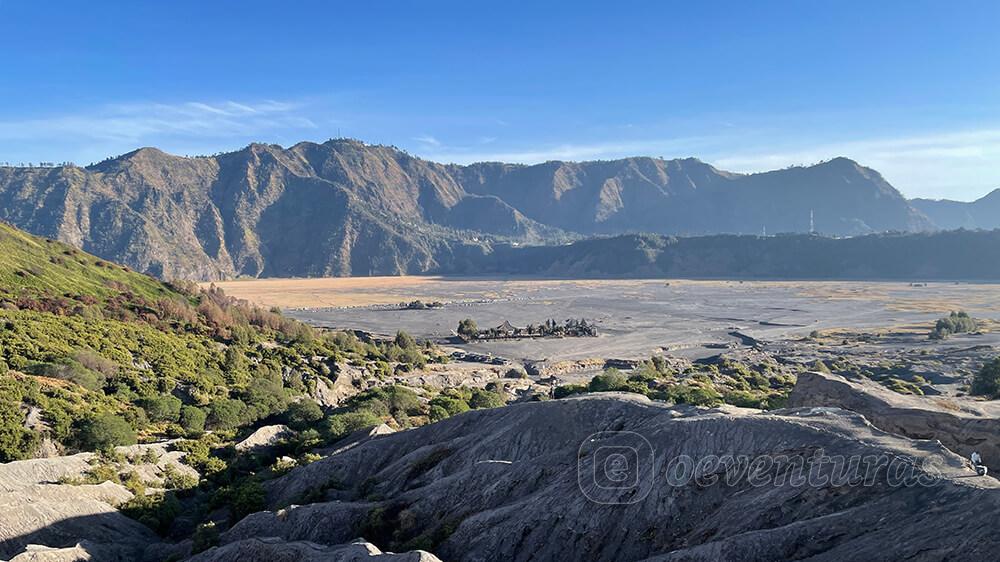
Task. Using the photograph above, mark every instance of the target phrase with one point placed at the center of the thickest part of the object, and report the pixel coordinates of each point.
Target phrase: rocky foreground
(529, 481)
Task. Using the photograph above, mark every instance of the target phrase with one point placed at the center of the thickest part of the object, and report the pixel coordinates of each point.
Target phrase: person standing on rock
(977, 463)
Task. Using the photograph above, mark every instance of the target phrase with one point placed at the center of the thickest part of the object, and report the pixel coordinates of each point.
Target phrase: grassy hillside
(37, 267)
(93, 354)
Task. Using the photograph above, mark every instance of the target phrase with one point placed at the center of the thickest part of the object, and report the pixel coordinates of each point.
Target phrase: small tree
(247, 498)
(227, 414)
(405, 341)
(569, 390)
(486, 399)
(265, 396)
(987, 380)
(105, 431)
(192, 419)
(161, 408)
(339, 425)
(954, 323)
(451, 405)
(467, 328)
(611, 379)
(302, 414)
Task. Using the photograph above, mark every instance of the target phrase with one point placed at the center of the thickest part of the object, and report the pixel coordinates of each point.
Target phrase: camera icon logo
(615, 467)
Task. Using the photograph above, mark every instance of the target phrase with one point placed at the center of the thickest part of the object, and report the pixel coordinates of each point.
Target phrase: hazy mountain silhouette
(982, 213)
(348, 208)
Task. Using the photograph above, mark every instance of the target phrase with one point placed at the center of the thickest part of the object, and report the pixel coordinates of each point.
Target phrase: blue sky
(909, 88)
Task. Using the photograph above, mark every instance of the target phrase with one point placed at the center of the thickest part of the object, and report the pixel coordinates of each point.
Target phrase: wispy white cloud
(974, 144)
(139, 122)
(603, 150)
(956, 164)
(428, 140)
(959, 164)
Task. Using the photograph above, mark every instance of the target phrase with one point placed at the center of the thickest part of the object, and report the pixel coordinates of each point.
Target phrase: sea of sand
(635, 317)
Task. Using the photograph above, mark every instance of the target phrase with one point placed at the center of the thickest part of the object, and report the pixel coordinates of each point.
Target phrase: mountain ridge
(344, 207)
(931, 256)
(983, 213)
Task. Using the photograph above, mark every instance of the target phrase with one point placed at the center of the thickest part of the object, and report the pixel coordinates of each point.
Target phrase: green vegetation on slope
(32, 267)
(750, 386)
(93, 355)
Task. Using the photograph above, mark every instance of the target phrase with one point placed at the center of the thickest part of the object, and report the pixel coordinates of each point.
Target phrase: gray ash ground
(639, 318)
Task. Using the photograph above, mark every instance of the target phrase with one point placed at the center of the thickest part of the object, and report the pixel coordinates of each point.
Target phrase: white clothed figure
(977, 463)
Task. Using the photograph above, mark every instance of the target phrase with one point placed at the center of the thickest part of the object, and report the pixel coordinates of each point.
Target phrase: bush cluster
(954, 323)
(728, 382)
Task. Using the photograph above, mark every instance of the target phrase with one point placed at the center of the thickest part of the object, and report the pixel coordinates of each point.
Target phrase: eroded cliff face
(37, 509)
(341, 208)
(962, 426)
(504, 485)
(531, 481)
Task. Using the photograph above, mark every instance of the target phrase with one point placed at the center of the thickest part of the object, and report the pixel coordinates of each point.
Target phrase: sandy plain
(636, 317)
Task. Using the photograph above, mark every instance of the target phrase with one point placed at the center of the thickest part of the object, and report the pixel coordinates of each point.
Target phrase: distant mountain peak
(146, 152)
(345, 207)
(983, 213)
(841, 161)
(991, 197)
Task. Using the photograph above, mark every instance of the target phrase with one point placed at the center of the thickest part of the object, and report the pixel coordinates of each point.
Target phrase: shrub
(163, 408)
(205, 537)
(987, 381)
(156, 511)
(450, 404)
(265, 396)
(236, 367)
(569, 390)
(397, 401)
(746, 399)
(227, 414)
(247, 498)
(105, 431)
(150, 456)
(303, 414)
(437, 413)
(412, 357)
(695, 394)
(192, 419)
(96, 362)
(71, 371)
(200, 456)
(174, 479)
(903, 387)
(405, 340)
(611, 379)
(954, 323)
(467, 328)
(338, 426)
(16, 442)
(486, 399)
